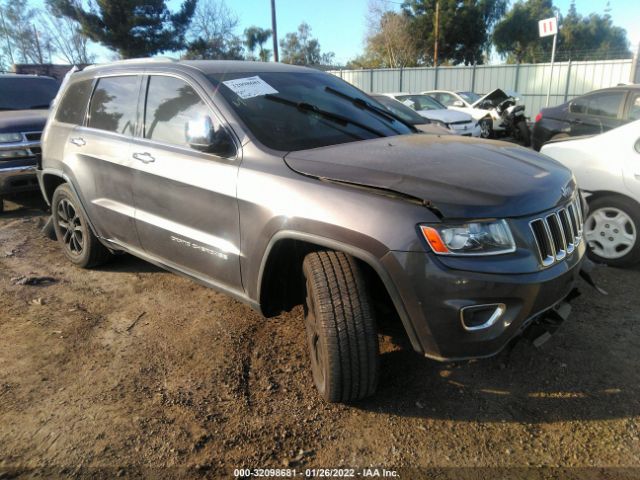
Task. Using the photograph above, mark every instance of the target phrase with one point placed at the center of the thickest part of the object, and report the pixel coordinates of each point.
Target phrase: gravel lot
(132, 371)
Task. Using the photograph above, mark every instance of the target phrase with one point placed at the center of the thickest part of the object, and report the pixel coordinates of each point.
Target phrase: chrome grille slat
(558, 234)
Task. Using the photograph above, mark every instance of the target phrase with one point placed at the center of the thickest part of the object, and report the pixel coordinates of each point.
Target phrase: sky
(340, 25)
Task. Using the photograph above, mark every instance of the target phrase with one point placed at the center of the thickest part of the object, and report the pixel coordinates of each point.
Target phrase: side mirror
(457, 103)
(637, 145)
(201, 135)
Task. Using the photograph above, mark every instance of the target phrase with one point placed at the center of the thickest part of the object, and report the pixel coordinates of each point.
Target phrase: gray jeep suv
(281, 185)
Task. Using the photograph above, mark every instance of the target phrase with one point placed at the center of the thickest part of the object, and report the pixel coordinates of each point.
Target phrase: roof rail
(133, 60)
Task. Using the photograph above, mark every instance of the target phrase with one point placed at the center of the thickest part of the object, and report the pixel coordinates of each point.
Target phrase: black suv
(24, 107)
(593, 113)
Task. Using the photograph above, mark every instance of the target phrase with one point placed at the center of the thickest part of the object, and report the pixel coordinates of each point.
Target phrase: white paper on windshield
(409, 103)
(250, 87)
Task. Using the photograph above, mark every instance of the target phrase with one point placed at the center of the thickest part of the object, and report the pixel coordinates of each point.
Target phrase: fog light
(480, 317)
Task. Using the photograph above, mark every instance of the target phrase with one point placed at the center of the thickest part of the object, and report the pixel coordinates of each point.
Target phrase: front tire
(341, 330)
(524, 133)
(612, 231)
(486, 127)
(78, 242)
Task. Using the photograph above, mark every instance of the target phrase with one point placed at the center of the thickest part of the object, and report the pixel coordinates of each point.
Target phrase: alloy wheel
(485, 129)
(71, 227)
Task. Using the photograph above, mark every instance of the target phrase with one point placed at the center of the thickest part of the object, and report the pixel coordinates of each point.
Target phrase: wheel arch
(596, 195)
(281, 266)
(50, 180)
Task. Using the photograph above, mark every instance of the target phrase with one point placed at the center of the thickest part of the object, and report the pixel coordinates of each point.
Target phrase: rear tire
(341, 330)
(612, 231)
(78, 242)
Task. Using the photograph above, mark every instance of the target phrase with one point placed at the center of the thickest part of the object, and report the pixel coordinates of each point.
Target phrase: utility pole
(435, 46)
(274, 29)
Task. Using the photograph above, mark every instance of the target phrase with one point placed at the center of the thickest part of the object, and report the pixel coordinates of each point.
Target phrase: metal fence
(531, 81)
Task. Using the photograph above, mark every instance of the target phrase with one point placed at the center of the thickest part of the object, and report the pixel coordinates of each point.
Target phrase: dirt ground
(131, 371)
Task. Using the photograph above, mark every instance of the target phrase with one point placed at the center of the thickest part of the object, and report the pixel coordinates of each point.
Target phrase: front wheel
(341, 330)
(611, 231)
(523, 133)
(486, 128)
(78, 242)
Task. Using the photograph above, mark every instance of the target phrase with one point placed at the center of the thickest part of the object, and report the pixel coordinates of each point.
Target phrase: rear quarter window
(74, 102)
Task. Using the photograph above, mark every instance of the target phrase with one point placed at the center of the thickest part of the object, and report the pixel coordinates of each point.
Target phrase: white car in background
(607, 168)
(480, 107)
(458, 123)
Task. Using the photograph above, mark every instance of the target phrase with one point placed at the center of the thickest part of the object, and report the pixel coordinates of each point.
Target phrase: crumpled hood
(460, 177)
(23, 120)
(446, 116)
(496, 96)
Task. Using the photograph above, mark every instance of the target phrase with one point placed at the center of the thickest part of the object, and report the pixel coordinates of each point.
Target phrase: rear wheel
(78, 242)
(486, 127)
(612, 231)
(341, 330)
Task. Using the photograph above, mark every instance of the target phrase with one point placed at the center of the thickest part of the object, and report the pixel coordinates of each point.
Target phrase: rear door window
(171, 104)
(114, 104)
(605, 104)
(74, 103)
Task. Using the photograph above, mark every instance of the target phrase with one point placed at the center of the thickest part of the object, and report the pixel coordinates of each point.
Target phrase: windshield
(295, 111)
(401, 110)
(24, 93)
(421, 102)
(470, 97)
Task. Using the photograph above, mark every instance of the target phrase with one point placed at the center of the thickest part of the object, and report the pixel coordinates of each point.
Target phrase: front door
(186, 207)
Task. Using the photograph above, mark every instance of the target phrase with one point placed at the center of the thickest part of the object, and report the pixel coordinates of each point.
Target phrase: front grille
(463, 122)
(559, 233)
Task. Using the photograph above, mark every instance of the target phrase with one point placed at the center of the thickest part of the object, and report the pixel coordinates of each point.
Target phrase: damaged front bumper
(457, 315)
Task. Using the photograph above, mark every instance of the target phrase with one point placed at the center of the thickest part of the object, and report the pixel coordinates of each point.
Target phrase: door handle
(144, 157)
(78, 141)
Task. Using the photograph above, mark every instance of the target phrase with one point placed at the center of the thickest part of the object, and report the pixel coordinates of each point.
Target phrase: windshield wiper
(33, 107)
(363, 104)
(310, 108)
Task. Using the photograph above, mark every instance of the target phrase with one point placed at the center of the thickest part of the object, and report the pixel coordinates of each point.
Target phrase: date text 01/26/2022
(315, 473)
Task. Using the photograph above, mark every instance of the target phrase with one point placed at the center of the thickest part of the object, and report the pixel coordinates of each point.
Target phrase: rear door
(597, 113)
(99, 157)
(186, 208)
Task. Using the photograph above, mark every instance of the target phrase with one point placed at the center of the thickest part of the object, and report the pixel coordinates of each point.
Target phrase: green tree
(134, 28)
(516, 35)
(593, 37)
(299, 48)
(256, 37)
(464, 28)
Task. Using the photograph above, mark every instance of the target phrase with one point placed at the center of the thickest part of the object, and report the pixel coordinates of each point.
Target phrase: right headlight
(472, 238)
(10, 137)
